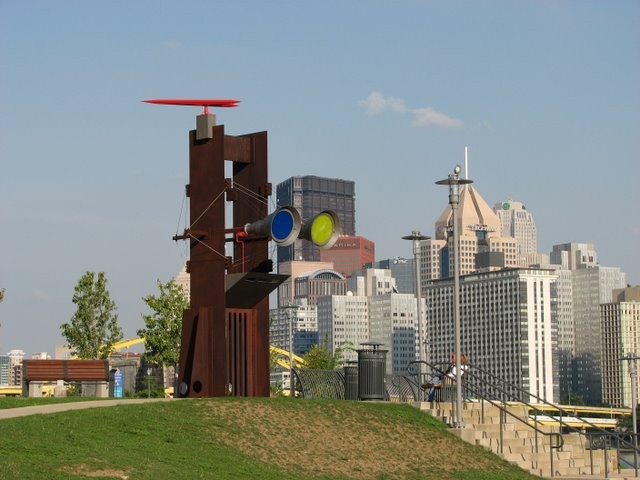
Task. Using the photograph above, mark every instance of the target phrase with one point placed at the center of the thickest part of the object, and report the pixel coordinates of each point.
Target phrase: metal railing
(311, 383)
(489, 388)
(330, 384)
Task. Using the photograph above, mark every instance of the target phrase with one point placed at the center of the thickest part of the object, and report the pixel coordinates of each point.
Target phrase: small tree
(164, 325)
(94, 328)
(320, 358)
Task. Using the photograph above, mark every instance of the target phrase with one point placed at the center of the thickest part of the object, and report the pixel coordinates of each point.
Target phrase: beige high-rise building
(183, 279)
(517, 222)
(620, 328)
(295, 269)
(15, 366)
(507, 326)
(482, 246)
(575, 256)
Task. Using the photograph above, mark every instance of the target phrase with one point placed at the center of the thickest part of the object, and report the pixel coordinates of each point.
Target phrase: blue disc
(281, 225)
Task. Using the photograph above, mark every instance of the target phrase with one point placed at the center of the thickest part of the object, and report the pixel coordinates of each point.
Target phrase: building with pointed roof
(482, 246)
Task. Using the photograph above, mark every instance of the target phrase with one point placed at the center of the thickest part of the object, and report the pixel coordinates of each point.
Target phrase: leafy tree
(320, 358)
(94, 328)
(164, 325)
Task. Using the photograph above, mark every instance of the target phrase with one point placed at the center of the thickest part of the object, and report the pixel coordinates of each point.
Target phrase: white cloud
(426, 117)
(377, 103)
(170, 44)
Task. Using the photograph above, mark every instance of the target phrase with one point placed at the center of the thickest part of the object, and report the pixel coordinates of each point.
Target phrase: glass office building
(311, 195)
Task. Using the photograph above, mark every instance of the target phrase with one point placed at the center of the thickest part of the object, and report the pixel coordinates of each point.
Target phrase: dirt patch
(363, 445)
(86, 471)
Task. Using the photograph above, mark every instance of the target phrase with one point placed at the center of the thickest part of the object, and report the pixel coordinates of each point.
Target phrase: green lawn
(16, 402)
(243, 438)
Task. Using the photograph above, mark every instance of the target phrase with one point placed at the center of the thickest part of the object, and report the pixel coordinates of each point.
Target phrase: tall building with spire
(482, 246)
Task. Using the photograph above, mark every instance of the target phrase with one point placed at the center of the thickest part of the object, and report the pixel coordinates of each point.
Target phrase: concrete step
(507, 428)
(519, 443)
(524, 449)
(562, 471)
(578, 462)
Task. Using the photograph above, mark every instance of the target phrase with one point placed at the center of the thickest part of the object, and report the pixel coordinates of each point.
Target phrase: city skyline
(545, 95)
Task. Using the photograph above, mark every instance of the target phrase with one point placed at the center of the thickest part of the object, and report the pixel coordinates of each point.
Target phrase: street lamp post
(289, 309)
(454, 181)
(633, 370)
(416, 237)
(633, 373)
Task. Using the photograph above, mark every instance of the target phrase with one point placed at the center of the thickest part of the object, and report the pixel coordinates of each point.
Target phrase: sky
(545, 95)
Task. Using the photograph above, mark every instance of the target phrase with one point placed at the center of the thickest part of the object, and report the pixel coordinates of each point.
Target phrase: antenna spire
(466, 162)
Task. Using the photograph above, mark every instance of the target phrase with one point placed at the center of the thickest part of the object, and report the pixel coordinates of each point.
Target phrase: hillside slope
(233, 438)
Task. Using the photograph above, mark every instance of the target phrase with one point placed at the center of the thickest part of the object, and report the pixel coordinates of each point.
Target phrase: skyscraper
(15, 366)
(4, 369)
(482, 246)
(582, 287)
(393, 322)
(517, 222)
(343, 319)
(591, 287)
(507, 324)
(295, 269)
(620, 326)
(402, 271)
(311, 195)
(574, 256)
(350, 253)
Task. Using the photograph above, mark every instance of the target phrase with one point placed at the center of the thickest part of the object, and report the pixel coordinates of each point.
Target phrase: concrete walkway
(63, 407)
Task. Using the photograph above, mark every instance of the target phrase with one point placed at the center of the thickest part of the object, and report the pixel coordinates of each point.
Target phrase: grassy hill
(241, 438)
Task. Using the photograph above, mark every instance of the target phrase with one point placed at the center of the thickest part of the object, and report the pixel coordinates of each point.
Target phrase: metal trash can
(351, 381)
(371, 371)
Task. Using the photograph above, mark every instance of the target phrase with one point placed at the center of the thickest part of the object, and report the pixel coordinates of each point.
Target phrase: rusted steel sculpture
(225, 332)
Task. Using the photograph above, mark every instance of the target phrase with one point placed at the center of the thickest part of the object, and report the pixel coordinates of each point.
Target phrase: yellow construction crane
(279, 355)
(126, 343)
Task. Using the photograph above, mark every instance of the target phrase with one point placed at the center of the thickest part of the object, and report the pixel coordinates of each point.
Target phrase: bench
(67, 370)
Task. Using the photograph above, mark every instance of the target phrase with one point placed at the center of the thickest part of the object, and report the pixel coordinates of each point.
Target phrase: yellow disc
(322, 229)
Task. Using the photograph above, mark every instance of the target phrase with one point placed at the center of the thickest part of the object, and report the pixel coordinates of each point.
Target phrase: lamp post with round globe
(454, 181)
(416, 238)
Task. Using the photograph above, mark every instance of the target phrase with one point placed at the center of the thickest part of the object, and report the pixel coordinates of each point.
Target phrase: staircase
(504, 426)
(541, 451)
